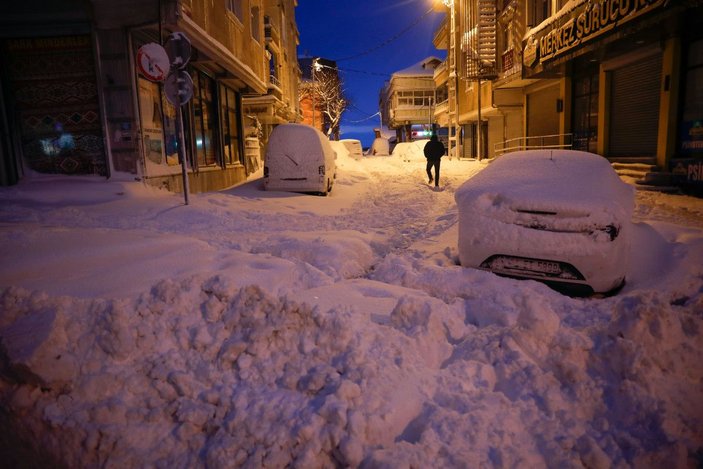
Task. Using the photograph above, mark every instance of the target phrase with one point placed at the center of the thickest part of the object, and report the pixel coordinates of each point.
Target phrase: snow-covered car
(299, 158)
(354, 147)
(379, 147)
(562, 217)
(410, 151)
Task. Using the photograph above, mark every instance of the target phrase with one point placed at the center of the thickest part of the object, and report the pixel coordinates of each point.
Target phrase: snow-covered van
(299, 158)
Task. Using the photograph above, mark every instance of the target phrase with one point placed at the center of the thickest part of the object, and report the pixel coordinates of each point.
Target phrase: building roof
(424, 68)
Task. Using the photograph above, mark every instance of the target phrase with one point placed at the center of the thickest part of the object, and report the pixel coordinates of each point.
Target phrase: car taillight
(266, 171)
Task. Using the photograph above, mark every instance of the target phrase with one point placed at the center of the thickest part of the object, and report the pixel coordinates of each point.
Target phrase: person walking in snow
(434, 151)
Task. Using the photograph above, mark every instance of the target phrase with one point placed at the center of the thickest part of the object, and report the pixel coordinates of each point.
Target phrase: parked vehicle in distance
(299, 158)
(379, 147)
(354, 147)
(411, 151)
(562, 217)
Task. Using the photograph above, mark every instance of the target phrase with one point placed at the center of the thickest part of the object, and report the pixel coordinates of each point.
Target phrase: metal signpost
(165, 65)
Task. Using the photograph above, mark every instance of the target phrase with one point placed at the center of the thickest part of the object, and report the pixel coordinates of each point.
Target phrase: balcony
(441, 35)
(270, 31)
(411, 114)
(274, 87)
(441, 74)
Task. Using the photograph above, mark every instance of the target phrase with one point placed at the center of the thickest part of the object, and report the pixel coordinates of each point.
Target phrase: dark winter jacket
(434, 149)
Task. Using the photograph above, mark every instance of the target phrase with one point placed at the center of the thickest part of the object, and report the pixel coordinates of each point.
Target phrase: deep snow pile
(323, 332)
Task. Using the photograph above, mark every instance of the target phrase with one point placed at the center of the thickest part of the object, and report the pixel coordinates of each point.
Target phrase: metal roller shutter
(542, 117)
(634, 108)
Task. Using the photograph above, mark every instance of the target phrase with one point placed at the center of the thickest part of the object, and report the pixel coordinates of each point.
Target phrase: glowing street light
(316, 67)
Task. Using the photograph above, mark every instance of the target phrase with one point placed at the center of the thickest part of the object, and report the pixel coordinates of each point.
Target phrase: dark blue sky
(365, 30)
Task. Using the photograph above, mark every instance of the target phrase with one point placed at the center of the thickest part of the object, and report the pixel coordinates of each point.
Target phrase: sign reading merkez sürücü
(584, 23)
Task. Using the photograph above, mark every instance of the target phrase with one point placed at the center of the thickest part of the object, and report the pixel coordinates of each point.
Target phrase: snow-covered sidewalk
(262, 329)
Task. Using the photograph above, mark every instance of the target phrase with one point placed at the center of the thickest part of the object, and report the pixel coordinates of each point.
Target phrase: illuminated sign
(586, 22)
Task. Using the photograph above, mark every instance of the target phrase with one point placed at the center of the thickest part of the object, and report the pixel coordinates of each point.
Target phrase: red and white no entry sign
(153, 62)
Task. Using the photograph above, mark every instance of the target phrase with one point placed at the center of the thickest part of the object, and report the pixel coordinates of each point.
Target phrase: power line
(365, 118)
(387, 41)
(364, 71)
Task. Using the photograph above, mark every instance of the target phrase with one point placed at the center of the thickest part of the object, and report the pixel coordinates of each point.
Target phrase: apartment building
(74, 100)
(408, 99)
(621, 78)
(280, 103)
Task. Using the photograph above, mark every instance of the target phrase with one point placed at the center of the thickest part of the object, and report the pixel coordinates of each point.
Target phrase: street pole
(181, 153)
(314, 91)
(478, 141)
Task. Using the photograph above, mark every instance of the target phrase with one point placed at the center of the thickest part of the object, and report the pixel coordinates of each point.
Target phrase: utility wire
(364, 71)
(365, 118)
(387, 41)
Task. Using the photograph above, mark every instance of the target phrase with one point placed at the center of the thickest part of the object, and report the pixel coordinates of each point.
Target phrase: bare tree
(328, 98)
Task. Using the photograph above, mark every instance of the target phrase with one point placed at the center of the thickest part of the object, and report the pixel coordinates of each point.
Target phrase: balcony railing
(556, 141)
(441, 107)
(414, 115)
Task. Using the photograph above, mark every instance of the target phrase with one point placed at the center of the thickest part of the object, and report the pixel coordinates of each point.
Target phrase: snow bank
(242, 378)
(322, 332)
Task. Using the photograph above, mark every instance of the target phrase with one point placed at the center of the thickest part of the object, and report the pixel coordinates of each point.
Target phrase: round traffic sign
(178, 49)
(178, 88)
(153, 62)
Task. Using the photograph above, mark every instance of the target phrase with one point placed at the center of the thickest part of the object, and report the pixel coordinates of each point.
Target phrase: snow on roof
(570, 6)
(423, 68)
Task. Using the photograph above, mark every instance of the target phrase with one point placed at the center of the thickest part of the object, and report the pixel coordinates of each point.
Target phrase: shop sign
(689, 170)
(692, 137)
(584, 23)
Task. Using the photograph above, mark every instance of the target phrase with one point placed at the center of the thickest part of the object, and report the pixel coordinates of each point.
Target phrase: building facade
(75, 102)
(408, 99)
(280, 103)
(621, 78)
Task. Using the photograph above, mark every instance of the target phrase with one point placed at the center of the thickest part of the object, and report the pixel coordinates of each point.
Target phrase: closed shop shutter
(542, 117)
(634, 108)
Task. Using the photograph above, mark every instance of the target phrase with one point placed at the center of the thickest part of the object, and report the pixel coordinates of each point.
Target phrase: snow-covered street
(270, 329)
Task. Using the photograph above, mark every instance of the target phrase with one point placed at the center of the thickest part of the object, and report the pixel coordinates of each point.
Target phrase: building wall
(135, 123)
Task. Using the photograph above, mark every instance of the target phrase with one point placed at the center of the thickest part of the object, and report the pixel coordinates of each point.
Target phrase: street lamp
(316, 67)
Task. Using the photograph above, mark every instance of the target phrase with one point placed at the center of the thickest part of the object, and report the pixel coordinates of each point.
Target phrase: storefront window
(230, 133)
(204, 120)
(586, 112)
(158, 128)
(692, 119)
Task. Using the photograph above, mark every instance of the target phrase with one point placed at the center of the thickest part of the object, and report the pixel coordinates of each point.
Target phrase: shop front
(621, 68)
(52, 104)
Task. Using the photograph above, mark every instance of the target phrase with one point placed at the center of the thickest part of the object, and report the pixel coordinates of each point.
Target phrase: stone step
(634, 166)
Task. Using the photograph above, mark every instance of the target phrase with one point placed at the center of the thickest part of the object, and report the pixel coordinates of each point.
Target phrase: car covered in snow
(379, 147)
(299, 158)
(411, 151)
(353, 147)
(562, 217)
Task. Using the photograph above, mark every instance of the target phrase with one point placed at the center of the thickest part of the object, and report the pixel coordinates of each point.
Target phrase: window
(273, 68)
(236, 7)
(690, 130)
(229, 103)
(256, 24)
(537, 11)
(415, 98)
(585, 113)
(204, 122)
